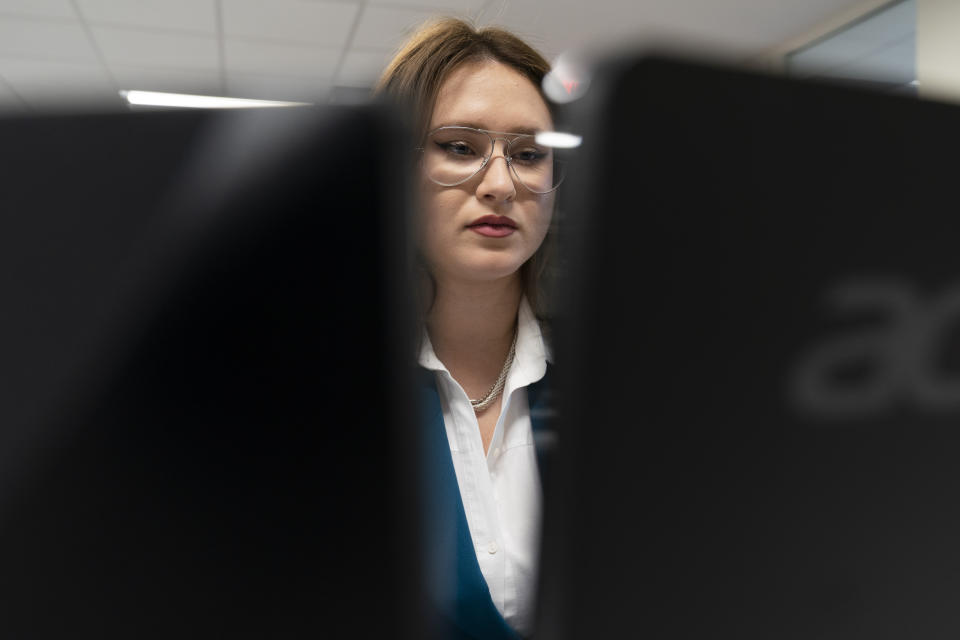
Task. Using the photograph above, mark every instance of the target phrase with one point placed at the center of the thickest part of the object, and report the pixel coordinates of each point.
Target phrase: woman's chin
(486, 271)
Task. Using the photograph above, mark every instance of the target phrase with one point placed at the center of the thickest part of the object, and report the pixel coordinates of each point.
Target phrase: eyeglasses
(453, 155)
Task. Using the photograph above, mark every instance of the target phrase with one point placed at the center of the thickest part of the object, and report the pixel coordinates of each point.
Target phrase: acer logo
(898, 357)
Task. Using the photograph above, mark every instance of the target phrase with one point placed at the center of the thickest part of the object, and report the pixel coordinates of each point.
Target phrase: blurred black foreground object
(201, 380)
(760, 414)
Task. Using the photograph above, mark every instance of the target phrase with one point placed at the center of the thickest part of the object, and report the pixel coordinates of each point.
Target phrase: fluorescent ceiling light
(184, 100)
(558, 139)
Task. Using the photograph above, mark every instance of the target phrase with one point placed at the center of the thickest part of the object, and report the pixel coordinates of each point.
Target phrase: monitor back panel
(760, 395)
(203, 377)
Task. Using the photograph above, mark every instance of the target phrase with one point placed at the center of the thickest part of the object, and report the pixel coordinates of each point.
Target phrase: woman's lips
(493, 230)
(493, 226)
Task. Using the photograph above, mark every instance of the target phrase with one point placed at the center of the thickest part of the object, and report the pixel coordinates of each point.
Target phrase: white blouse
(501, 491)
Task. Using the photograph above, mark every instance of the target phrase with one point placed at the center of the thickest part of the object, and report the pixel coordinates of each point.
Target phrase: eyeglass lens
(453, 155)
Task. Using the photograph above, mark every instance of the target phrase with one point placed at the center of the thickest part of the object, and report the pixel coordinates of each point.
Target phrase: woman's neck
(472, 325)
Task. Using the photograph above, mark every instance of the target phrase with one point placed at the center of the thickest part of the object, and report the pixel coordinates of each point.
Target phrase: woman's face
(458, 248)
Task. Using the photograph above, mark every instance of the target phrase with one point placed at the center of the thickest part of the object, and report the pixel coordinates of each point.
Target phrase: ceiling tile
(363, 68)
(165, 50)
(74, 98)
(271, 87)
(468, 8)
(202, 82)
(46, 40)
(321, 23)
(11, 108)
(349, 95)
(387, 27)
(185, 15)
(245, 56)
(9, 101)
(5, 92)
(39, 8)
(56, 85)
(20, 71)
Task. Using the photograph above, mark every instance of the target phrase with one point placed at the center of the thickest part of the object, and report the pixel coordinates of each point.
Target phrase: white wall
(938, 49)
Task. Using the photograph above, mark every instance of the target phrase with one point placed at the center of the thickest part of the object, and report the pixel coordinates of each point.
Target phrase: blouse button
(492, 547)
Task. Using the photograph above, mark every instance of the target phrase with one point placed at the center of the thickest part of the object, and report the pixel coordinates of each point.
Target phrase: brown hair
(427, 59)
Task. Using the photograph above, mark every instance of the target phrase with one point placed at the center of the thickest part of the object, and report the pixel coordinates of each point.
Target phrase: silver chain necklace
(497, 388)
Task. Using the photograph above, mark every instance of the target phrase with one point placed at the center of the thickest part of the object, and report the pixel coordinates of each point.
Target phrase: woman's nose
(497, 183)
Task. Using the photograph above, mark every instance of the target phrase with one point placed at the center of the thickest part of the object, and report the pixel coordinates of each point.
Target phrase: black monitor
(759, 378)
(204, 413)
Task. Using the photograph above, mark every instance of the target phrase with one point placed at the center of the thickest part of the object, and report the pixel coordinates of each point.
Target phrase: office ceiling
(68, 53)
(880, 49)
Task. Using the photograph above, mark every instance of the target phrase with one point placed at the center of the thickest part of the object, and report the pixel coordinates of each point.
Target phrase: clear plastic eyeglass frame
(508, 138)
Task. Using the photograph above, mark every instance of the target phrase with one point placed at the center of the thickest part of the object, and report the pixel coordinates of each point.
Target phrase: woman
(486, 196)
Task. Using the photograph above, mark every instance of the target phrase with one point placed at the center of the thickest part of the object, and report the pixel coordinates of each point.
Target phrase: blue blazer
(455, 584)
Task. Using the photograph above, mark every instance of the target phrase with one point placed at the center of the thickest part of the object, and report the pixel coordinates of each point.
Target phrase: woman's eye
(456, 148)
(529, 156)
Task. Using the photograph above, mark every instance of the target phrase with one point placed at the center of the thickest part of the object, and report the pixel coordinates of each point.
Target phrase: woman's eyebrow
(526, 130)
